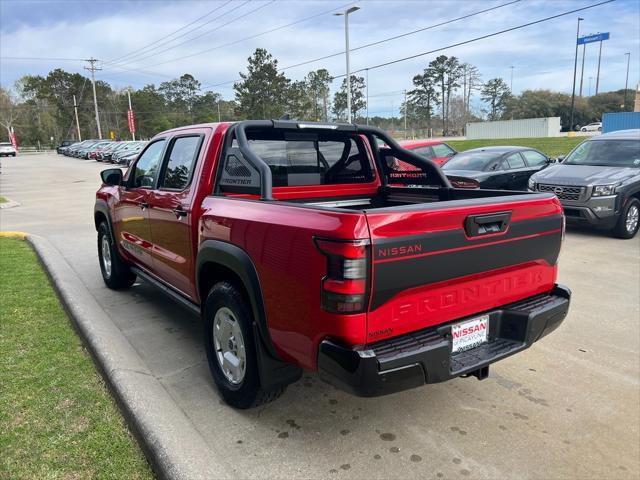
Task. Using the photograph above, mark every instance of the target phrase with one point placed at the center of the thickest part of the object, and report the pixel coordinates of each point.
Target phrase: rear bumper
(424, 356)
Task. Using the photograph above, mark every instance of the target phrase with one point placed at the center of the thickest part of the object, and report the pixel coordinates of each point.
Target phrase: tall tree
(318, 83)
(423, 99)
(471, 81)
(447, 73)
(262, 92)
(299, 102)
(496, 93)
(358, 101)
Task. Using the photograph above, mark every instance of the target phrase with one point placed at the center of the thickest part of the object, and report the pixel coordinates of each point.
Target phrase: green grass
(57, 418)
(3, 200)
(552, 146)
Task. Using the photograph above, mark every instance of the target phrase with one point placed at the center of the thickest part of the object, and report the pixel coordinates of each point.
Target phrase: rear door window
(442, 150)
(181, 159)
(534, 159)
(515, 160)
(304, 162)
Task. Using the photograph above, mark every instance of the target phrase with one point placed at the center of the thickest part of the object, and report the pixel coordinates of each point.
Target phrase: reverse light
(344, 288)
(603, 190)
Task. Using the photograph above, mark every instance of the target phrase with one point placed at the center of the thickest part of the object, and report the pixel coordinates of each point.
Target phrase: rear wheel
(629, 220)
(231, 350)
(115, 273)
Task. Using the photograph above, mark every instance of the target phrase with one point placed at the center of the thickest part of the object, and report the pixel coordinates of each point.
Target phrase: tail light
(464, 183)
(345, 287)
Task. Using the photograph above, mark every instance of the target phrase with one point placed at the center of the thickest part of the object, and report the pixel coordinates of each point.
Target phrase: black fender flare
(274, 371)
(102, 207)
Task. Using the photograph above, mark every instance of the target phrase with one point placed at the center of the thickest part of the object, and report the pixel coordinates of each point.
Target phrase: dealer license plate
(470, 334)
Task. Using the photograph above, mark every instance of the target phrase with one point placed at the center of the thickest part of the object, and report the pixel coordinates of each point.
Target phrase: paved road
(567, 408)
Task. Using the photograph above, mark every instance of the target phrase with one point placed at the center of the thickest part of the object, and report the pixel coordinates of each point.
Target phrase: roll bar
(266, 182)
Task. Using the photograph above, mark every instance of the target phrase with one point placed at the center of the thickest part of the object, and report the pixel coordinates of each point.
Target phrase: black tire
(248, 392)
(120, 275)
(583, 129)
(621, 230)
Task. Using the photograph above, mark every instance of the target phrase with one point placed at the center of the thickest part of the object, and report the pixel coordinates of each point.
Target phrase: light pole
(626, 82)
(511, 85)
(346, 42)
(575, 67)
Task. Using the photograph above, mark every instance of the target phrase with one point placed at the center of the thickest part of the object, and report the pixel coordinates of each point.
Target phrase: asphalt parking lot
(569, 407)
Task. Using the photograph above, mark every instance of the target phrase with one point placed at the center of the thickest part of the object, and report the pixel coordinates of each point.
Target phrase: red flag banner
(132, 121)
(13, 139)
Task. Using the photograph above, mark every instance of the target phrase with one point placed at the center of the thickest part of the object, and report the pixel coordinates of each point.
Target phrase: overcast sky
(542, 55)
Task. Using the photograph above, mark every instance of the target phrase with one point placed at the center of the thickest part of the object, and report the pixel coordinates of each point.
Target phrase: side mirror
(112, 176)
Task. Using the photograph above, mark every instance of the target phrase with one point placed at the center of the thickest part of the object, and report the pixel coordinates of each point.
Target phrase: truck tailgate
(436, 262)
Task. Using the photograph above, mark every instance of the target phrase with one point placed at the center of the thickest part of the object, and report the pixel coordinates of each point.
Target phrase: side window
(147, 166)
(180, 162)
(442, 150)
(534, 159)
(424, 152)
(515, 160)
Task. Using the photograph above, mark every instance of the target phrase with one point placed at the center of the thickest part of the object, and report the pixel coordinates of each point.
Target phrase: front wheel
(629, 220)
(583, 129)
(231, 349)
(116, 274)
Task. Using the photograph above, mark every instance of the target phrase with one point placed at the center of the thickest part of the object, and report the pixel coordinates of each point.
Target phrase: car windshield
(476, 161)
(606, 153)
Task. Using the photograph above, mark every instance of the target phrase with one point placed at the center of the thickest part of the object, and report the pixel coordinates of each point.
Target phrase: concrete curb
(175, 449)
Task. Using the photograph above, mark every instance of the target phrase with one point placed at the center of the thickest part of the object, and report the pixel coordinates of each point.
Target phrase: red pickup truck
(304, 247)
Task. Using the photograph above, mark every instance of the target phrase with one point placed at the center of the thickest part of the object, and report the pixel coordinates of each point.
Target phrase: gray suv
(598, 183)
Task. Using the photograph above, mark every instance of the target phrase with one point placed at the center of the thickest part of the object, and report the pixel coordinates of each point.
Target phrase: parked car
(592, 127)
(129, 159)
(598, 183)
(432, 149)
(93, 152)
(64, 144)
(89, 152)
(72, 150)
(300, 253)
(498, 168)
(128, 150)
(7, 150)
(102, 152)
(106, 154)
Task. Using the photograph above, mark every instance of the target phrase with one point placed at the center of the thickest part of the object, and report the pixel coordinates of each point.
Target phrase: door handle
(143, 205)
(179, 212)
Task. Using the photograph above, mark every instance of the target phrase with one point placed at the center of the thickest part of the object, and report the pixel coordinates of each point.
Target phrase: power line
(239, 17)
(384, 40)
(57, 59)
(478, 38)
(235, 42)
(164, 39)
(388, 39)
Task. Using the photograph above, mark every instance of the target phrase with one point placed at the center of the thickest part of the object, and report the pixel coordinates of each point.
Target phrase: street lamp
(346, 41)
(575, 67)
(626, 82)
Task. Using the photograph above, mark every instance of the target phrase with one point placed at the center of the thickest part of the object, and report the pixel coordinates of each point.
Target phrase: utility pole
(575, 67)
(75, 108)
(92, 61)
(346, 42)
(406, 107)
(626, 82)
(367, 80)
(584, 48)
(133, 133)
(219, 117)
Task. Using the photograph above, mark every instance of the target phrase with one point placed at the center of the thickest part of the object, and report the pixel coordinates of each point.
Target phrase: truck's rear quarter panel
(279, 240)
(427, 270)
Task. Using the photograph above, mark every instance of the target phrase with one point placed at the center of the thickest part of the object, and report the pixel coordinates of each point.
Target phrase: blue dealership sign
(598, 37)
